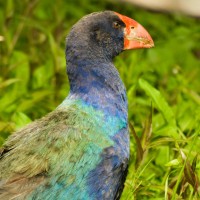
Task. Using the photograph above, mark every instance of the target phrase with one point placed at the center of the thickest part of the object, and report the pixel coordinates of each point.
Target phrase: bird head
(107, 34)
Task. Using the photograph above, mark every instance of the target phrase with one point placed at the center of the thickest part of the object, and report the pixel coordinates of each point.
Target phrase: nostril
(132, 27)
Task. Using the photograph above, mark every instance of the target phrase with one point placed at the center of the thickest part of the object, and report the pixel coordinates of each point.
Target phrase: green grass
(162, 84)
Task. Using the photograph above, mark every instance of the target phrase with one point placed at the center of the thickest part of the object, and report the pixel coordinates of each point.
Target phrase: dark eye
(116, 25)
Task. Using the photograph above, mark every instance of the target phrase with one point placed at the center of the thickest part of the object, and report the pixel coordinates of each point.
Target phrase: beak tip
(148, 43)
(151, 45)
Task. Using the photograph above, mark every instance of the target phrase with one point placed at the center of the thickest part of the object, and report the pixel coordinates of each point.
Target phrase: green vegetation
(162, 83)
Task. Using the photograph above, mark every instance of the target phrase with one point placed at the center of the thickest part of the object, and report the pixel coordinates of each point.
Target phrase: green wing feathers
(57, 145)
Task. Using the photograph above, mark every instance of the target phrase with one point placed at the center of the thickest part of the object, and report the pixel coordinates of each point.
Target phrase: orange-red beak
(135, 35)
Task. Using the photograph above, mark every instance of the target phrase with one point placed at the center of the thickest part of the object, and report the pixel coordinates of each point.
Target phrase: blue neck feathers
(99, 85)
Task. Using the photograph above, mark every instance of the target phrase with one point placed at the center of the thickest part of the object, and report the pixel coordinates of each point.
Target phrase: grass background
(163, 86)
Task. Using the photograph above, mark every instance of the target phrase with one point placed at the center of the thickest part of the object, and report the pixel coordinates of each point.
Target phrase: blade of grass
(184, 164)
(159, 101)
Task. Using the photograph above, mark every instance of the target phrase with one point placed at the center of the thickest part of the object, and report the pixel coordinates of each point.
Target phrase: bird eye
(116, 25)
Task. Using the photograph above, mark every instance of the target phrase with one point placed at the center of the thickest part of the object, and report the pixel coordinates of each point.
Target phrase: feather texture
(78, 150)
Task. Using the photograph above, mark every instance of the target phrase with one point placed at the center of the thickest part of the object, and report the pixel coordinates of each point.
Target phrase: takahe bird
(80, 151)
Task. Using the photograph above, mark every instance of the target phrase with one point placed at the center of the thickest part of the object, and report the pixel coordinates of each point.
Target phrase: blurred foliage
(165, 145)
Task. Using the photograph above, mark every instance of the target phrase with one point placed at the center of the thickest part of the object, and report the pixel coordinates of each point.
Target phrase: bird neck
(92, 76)
(97, 83)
